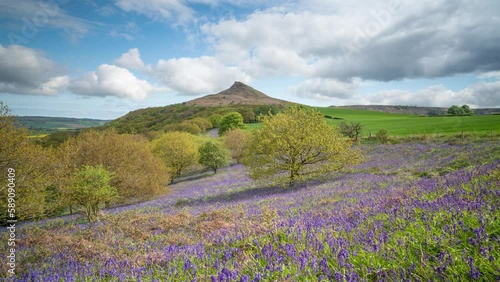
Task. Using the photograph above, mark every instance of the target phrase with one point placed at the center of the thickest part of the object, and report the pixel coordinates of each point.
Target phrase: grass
(408, 125)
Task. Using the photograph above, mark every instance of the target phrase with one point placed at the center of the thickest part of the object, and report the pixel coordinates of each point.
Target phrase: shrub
(382, 135)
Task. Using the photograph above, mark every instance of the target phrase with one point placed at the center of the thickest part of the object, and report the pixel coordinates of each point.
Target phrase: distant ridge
(415, 110)
(238, 94)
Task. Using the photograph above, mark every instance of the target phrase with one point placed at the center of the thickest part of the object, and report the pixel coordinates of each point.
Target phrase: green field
(405, 124)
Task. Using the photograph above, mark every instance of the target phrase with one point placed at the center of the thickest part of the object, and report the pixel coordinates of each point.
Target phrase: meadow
(410, 212)
(411, 125)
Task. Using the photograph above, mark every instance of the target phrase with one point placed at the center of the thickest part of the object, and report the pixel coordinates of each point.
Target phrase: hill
(414, 110)
(240, 97)
(238, 94)
(55, 124)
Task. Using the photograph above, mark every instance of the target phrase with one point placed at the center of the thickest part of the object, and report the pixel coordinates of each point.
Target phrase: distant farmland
(55, 124)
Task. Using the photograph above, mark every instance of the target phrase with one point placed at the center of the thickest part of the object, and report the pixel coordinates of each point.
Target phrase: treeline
(182, 117)
(97, 168)
(104, 168)
(45, 177)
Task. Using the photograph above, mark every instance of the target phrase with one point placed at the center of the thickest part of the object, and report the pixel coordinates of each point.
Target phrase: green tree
(215, 119)
(230, 121)
(178, 150)
(297, 144)
(213, 155)
(456, 110)
(91, 189)
(236, 141)
(467, 110)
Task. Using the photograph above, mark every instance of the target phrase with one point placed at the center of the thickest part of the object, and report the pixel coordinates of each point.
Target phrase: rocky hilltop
(238, 94)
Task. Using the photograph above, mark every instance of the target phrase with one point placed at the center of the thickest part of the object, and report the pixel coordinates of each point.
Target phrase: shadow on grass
(252, 193)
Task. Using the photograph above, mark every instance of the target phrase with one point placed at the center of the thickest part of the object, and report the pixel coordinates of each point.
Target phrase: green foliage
(215, 119)
(230, 121)
(178, 150)
(91, 189)
(457, 111)
(164, 118)
(213, 155)
(382, 135)
(299, 143)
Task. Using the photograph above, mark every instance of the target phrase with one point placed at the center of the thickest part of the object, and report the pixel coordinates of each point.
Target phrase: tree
(297, 144)
(467, 110)
(138, 173)
(463, 110)
(213, 155)
(178, 150)
(91, 189)
(215, 119)
(230, 121)
(236, 141)
(455, 110)
(352, 130)
(31, 169)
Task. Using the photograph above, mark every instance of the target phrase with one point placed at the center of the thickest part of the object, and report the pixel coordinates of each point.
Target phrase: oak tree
(297, 144)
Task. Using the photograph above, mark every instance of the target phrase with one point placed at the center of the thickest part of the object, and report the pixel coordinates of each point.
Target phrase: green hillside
(165, 118)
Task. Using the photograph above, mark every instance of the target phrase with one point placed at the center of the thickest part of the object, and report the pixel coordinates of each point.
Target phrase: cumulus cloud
(371, 40)
(27, 71)
(323, 88)
(130, 60)
(110, 80)
(194, 76)
(478, 95)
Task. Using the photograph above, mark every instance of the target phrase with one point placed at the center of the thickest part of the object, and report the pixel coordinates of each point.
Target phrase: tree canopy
(213, 155)
(178, 150)
(296, 144)
(463, 110)
(230, 121)
(91, 189)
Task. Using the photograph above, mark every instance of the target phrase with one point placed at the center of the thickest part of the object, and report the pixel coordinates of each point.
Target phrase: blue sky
(102, 59)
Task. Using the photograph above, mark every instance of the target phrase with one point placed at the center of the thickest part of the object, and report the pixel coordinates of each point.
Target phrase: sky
(102, 59)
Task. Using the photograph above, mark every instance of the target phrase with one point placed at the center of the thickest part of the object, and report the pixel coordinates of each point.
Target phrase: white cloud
(372, 40)
(54, 85)
(109, 80)
(194, 76)
(27, 71)
(130, 60)
(477, 95)
(323, 89)
(159, 10)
